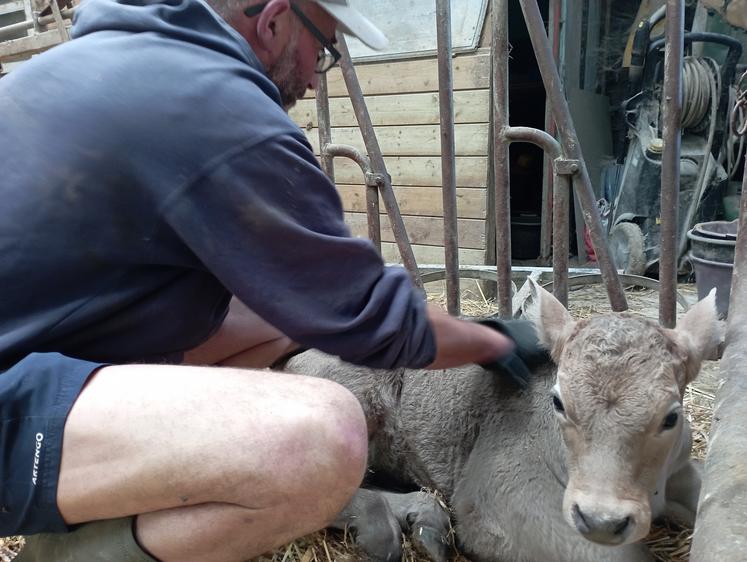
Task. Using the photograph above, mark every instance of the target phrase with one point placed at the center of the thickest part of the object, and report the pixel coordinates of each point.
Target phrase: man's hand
(527, 354)
(461, 342)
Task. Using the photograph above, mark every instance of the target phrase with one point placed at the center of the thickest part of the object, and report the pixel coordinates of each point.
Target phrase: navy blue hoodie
(149, 172)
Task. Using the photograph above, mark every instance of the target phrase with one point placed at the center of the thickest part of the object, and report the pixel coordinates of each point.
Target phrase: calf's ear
(551, 319)
(698, 334)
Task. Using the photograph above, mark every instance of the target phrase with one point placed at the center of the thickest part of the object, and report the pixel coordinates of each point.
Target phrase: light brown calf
(573, 469)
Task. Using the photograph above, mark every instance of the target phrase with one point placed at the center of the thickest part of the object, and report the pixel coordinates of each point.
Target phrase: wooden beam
(471, 106)
(471, 72)
(430, 254)
(24, 47)
(419, 201)
(428, 231)
(412, 140)
(471, 171)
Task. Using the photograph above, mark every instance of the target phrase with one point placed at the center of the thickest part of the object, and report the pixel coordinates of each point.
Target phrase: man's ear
(553, 322)
(273, 28)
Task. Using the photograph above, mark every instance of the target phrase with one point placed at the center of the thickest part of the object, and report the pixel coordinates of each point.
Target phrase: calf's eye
(558, 405)
(670, 421)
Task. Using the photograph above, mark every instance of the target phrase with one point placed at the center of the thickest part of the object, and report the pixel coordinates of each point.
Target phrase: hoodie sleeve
(268, 223)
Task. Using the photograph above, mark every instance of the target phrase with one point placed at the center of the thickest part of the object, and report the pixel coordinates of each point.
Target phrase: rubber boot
(110, 540)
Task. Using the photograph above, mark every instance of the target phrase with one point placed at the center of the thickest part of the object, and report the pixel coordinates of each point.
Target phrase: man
(150, 176)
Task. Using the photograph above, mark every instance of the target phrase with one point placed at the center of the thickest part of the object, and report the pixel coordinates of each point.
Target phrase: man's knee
(345, 426)
(339, 442)
(320, 446)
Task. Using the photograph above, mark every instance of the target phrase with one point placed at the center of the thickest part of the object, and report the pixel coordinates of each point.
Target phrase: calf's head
(618, 401)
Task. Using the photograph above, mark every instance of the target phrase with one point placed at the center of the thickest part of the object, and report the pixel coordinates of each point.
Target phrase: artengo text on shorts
(37, 454)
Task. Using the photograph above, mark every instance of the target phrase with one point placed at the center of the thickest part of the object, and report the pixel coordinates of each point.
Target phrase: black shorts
(36, 395)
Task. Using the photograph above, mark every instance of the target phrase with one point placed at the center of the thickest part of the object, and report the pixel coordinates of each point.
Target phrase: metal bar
(64, 36)
(372, 180)
(21, 49)
(560, 233)
(333, 150)
(572, 149)
(534, 136)
(586, 278)
(448, 154)
(325, 126)
(67, 13)
(29, 24)
(377, 160)
(519, 271)
(31, 16)
(373, 213)
(489, 289)
(721, 526)
(561, 202)
(13, 27)
(605, 45)
(625, 279)
(501, 172)
(670, 162)
(547, 212)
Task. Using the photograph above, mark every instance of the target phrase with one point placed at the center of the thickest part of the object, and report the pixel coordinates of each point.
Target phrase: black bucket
(717, 230)
(712, 253)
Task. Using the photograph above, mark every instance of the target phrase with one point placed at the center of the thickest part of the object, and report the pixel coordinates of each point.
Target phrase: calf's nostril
(622, 526)
(599, 527)
(578, 518)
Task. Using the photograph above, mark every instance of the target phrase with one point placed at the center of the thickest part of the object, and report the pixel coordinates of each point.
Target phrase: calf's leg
(379, 518)
(377, 531)
(683, 490)
(427, 520)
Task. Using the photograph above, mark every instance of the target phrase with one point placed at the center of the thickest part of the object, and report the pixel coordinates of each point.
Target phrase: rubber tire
(627, 248)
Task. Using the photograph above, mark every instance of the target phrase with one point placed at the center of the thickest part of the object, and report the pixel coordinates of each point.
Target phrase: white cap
(352, 22)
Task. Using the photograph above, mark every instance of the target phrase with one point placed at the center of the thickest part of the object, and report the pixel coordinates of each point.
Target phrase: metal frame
(36, 23)
(548, 183)
(383, 179)
(38, 37)
(571, 149)
(448, 154)
(670, 162)
(565, 155)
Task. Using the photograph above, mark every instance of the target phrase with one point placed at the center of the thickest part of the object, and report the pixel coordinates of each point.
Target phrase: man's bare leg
(243, 340)
(225, 464)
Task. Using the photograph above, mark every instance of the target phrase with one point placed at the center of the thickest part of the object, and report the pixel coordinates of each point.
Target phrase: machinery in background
(633, 187)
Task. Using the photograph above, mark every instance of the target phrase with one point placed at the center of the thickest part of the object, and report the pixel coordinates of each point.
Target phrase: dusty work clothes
(35, 398)
(149, 172)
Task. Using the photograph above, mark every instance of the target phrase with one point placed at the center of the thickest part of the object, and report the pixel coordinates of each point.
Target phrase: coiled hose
(699, 84)
(737, 126)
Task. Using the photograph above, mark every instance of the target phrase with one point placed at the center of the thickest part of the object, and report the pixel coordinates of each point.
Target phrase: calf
(572, 469)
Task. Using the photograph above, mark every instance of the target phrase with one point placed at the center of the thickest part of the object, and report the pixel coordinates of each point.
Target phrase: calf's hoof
(431, 543)
(375, 528)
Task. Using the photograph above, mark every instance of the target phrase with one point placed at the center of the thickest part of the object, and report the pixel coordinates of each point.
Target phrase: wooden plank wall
(402, 98)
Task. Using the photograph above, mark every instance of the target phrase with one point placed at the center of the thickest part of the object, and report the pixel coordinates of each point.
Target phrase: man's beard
(284, 74)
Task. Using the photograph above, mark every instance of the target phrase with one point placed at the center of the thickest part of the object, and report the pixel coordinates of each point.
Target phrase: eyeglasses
(328, 55)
